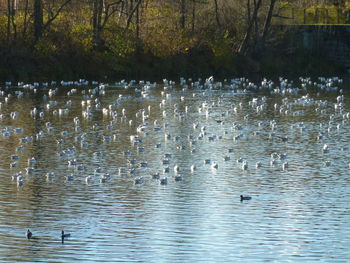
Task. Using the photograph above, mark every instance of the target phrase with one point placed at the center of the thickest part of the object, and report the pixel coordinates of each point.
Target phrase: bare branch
(48, 23)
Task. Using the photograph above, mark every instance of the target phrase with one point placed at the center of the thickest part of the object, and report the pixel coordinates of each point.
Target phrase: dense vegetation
(52, 39)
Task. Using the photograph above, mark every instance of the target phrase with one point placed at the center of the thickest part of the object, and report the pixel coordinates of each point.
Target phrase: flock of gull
(75, 138)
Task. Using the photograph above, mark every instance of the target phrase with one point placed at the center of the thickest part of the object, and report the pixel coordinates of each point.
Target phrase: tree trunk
(244, 45)
(248, 12)
(94, 16)
(268, 20)
(8, 33)
(217, 13)
(193, 15)
(13, 13)
(256, 25)
(121, 11)
(96, 24)
(183, 14)
(25, 18)
(138, 23)
(131, 6)
(131, 14)
(38, 19)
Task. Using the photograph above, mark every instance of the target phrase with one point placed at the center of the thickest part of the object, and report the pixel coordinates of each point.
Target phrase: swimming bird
(29, 234)
(104, 177)
(176, 168)
(50, 176)
(215, 165)
(178, 178)
(155, 176)
(327, 163)
(69, 177)
(245, 197)
(193, 168)
(87, 179)
(325, 148)
(139, 180)
(63, 236)
(163, 181)
(244, 166)
(20, 182)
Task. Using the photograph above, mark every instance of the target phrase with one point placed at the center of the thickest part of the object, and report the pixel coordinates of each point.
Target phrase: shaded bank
(290, 51)
(198, 63)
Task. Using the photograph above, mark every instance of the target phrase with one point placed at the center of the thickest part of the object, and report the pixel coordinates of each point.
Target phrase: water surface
(300, 213)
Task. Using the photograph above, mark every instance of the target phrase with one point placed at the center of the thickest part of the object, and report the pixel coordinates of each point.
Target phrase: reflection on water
(89, 144)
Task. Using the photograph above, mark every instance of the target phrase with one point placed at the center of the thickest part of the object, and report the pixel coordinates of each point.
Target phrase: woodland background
(99, 39)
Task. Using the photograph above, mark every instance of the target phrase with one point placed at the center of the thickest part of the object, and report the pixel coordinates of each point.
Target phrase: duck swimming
(245, 197)
(163, 181)
(29, 234)
(63, 236)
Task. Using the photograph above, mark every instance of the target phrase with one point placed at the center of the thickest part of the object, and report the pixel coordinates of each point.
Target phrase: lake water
(300, 206)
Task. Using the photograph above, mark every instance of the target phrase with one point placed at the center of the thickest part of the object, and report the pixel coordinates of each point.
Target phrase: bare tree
(25, 18)
(8, 33)
(38, 15)
(193, 22)
(268, 20)
(132, 11)
(244, 44)
(97, 23)
(248, 12)
(38, 19)
(54, 14)
(14, 26)
(183, 14)
(217, 13)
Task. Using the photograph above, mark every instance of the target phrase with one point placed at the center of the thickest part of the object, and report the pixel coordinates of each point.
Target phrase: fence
(313, 16)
